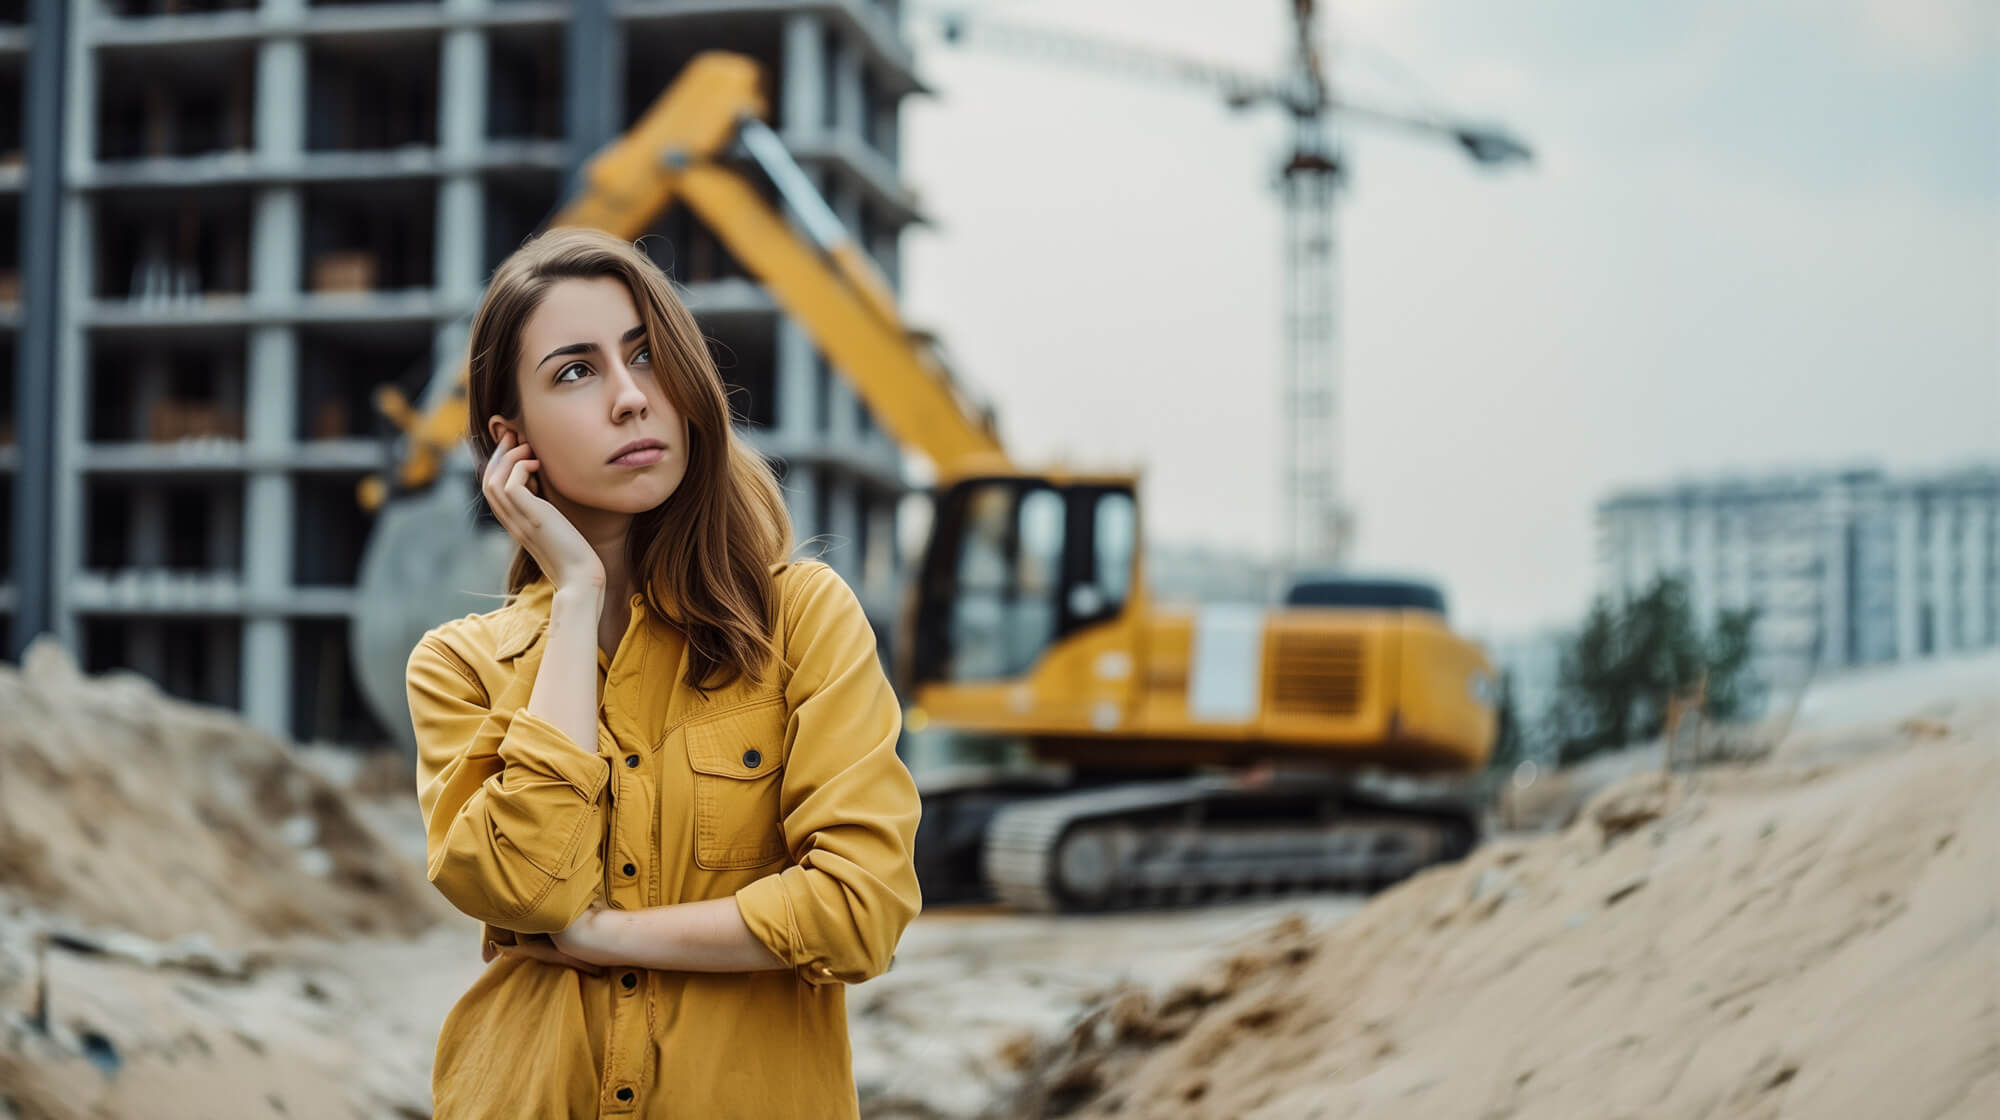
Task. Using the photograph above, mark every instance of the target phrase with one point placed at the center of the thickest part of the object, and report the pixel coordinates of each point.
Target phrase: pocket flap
(743, 744)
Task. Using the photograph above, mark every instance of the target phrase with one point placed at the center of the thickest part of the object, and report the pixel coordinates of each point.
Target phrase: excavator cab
(1015, 564)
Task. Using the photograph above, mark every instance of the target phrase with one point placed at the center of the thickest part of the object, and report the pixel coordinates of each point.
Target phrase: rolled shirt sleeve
(850, 807)
(513, 809)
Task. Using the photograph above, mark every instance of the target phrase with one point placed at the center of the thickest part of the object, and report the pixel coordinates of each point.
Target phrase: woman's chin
(644, 495)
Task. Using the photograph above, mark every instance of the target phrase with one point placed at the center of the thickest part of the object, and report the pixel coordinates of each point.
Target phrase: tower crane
(1316, 522)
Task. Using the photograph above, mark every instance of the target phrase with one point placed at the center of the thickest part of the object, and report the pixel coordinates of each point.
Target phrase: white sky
(1756, 236)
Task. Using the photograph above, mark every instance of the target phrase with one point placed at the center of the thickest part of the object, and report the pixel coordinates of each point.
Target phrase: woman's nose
(629, 396)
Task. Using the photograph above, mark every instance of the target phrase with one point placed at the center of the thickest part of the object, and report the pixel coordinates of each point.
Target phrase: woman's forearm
(565, 693)
(707, 936)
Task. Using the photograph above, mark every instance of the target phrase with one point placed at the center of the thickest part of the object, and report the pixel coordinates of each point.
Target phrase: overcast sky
(1756, 236)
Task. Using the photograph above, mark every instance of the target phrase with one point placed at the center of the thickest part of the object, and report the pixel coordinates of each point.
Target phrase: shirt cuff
(535, 745)
(766, 906)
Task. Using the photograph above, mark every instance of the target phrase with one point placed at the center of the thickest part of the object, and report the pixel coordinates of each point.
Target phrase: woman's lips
(644, 457)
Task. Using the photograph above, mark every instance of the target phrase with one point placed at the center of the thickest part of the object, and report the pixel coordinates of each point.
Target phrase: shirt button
(625, 1094)
(631, 869)
(630, 980)
(631, 760)
(752, 759)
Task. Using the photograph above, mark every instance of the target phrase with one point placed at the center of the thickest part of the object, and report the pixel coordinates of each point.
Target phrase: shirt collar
(524, 619)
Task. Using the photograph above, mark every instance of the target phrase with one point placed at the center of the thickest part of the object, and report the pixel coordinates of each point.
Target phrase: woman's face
(588, 395)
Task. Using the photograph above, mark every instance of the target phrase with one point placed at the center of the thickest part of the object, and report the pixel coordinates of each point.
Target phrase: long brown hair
(704, 556)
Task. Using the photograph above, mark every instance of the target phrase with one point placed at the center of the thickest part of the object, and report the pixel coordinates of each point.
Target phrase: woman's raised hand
(565, 557)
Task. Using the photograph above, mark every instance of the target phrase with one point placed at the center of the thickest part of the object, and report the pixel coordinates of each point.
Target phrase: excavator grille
(1317, 675)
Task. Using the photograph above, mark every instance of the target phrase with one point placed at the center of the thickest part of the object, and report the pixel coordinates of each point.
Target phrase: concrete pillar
(843, 429)
(77, 255)
(1978, 559)
(271, 389)
(849, 104)
(1703, 574)
(801, 106)
(797, 383)
(277, 267)
(802, 499)
(269, 515)
(843, 524)
(1944, 603)
(1836, 580)
(1909, 594)
(462, 82)
(796, 377)
(280, 123)
(277, 246)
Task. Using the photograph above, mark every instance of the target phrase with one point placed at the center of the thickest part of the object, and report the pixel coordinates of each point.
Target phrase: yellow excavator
(1180, 754)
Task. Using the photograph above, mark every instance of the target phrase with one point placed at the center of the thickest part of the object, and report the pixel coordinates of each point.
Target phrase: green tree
(1728, 656)
(1630, 658)
(1509, 743)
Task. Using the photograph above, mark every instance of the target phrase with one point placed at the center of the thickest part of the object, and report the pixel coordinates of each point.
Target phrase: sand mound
(127, 809)
(1810, 941)
(197, 920)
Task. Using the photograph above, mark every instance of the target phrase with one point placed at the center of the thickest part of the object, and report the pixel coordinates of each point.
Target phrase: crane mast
(1314, 520)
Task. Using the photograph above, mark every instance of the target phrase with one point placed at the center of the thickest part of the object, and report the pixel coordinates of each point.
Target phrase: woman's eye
(645, 354)
(563, 374)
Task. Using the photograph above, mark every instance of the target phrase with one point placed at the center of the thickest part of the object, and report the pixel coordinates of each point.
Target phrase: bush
(1631, 658)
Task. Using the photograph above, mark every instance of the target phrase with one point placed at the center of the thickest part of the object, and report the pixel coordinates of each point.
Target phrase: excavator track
(1202, 839)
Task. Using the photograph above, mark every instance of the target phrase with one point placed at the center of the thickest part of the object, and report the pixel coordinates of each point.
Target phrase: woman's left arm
(706, 936)
(850, 821)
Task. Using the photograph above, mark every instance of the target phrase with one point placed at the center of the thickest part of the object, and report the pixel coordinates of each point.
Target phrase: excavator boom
(681, 150)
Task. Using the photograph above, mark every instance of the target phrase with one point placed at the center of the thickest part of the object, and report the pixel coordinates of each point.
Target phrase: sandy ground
(197, 921)
(1817, 936)
(948, 1031)
(200, 921)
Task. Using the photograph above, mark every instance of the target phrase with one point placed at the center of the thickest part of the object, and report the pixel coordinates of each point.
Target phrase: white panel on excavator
(1228, 662)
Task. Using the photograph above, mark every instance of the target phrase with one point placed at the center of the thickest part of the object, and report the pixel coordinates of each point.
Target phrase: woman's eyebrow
(633, 335)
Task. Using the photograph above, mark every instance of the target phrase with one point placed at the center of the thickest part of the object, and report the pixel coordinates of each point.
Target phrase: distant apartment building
(1844, 567)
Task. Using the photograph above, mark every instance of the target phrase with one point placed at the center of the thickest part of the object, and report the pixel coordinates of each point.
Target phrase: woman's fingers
(517, 491)
(504, 456)
(494, 480)
(493, 483)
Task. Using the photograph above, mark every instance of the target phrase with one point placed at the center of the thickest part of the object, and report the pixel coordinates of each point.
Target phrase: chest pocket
(738, 759)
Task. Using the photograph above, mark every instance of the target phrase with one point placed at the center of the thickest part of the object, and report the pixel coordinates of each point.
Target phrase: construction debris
(193, 923)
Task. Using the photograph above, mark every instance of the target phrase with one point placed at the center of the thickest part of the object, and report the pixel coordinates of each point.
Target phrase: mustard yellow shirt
(787, 794)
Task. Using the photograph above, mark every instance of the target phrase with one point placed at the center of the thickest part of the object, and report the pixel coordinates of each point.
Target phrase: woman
(664, 775)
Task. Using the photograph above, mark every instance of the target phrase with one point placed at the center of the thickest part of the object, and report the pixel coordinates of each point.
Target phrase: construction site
(1194, 843)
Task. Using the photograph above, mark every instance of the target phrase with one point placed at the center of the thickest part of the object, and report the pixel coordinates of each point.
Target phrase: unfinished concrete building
(268, 209)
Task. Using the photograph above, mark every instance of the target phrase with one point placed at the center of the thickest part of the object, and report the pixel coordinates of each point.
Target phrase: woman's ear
(497, 427)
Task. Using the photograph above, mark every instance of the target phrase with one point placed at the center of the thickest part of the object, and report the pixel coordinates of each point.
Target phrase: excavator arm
(679, 151)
